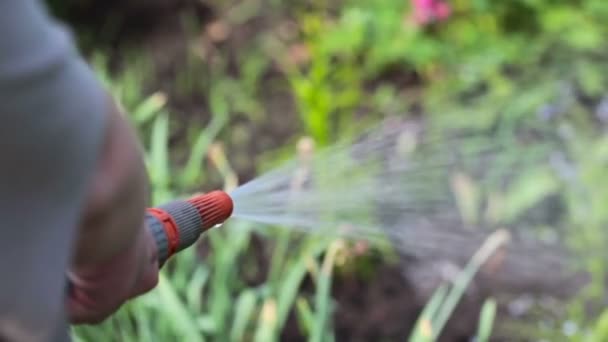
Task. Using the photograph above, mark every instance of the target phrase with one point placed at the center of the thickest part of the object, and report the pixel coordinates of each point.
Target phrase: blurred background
(222, 91)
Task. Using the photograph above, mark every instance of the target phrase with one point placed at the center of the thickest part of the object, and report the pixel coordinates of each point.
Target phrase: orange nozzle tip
(214, 208)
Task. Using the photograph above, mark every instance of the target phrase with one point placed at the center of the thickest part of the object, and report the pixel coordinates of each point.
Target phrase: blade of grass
(76, 337)
(182, 267)
(124, 324)
(290, 283)
(146, 110)
(493, 242)
(192, 171)
(219, 292)
(267, 324)
(145, 329)
(218, 158)
(244, 309)
(159, 160)
(225, 256)
(174, 310)
(486, 320)
(423, 328)
(140, 312)
(305, 315)
(207, 324)
(194, 289)
(323, 294)
(282, 295)
(279, 257)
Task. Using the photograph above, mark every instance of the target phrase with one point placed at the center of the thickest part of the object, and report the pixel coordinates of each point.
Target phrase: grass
(480, 70)
(442, 304)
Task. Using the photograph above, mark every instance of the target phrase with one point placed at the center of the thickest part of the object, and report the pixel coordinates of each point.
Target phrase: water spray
(402, 186)
(388, 186)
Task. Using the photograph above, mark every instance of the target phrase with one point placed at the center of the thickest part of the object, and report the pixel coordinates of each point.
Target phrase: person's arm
(117, 195)
(72, 184)
(115, 257)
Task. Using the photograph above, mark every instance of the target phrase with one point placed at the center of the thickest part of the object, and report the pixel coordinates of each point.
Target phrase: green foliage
(486, 320)
(444, 301)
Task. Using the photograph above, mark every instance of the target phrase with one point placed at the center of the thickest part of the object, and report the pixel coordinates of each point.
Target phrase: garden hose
(178, 224)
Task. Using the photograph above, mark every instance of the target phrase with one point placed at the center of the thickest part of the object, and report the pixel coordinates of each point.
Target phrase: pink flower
(429, 11)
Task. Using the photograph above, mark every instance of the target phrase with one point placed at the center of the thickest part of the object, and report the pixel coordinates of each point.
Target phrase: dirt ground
(383, 307)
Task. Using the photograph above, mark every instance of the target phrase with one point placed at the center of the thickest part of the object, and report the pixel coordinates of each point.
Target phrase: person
(73, 186)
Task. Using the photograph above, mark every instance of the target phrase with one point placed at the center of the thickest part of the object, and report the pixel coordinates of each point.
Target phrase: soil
(382, 306)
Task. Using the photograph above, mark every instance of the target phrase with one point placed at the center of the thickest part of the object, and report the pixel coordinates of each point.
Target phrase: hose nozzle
(214, 208)
(178, 224)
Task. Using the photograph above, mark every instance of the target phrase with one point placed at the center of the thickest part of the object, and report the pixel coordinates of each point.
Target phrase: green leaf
(423, 329)
(207, 324)
(244, 309)
(323, 295)
(267, 323)
(193, 169)
(176, 311)
(158, 160)
(146, 110)
(486, 320)
(305, 315)
(290, 282)
(529, 189)
(195, 287)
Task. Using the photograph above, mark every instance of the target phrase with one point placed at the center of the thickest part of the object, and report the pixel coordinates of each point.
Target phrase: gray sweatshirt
(51, 122)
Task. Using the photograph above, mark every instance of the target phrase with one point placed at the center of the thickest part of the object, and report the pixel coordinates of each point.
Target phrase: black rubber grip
(188, 221)
(158, 232)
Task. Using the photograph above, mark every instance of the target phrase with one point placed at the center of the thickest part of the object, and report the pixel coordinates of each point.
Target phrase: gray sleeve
(51, 124)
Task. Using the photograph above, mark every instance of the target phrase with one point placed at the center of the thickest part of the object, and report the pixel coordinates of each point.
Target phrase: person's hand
(99, 290)
(115, 257)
